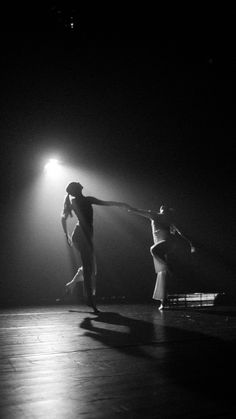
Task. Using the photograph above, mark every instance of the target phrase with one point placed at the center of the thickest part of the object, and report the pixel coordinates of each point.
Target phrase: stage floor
(130, 361)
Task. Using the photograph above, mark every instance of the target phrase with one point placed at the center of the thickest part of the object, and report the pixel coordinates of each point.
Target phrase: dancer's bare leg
(79, 277)
(89, 279)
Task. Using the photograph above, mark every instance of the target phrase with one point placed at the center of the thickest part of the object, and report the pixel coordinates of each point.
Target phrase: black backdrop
(147, 100)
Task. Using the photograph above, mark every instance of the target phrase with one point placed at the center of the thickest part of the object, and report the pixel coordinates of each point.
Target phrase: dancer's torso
(160, 228)
(84, 211)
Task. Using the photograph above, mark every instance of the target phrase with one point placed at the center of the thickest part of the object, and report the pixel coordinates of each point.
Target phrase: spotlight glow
(53, 168)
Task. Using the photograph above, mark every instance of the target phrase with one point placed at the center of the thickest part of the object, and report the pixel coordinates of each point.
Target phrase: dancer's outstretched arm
(143, 212)
(96, 201)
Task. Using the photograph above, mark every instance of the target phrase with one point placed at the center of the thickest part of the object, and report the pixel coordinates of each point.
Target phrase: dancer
(162, 231)
(82, 236)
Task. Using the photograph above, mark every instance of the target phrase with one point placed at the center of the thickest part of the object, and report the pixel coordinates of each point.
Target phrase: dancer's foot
(62, 298)
(91, 304)
(161, 304)
(96, 311)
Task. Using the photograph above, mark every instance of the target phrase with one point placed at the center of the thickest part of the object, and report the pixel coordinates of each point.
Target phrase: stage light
(53, 167)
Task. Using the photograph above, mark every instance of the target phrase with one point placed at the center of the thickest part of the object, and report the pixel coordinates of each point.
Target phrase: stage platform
(130, 361)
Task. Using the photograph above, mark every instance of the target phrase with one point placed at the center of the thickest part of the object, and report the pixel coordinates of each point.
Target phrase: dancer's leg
(84, 245)
(160, 290)
(159, 252)
(87, 256)
(70, 286)
(78, 277)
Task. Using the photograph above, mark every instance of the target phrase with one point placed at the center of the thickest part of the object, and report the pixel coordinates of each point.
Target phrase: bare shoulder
(73, 203)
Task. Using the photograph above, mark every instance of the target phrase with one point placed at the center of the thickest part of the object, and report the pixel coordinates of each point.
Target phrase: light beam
(52, 168)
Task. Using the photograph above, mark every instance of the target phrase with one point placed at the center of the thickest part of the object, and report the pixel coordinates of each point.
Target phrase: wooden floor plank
(130, 361)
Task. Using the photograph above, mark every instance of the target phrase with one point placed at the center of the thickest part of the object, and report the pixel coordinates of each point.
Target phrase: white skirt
(159, 292)
(159, 264)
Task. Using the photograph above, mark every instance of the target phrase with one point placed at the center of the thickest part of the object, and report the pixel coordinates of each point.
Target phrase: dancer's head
(74, 188)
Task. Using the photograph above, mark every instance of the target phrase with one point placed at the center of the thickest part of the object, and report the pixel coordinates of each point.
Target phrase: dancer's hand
(193, 249)
(127, 206)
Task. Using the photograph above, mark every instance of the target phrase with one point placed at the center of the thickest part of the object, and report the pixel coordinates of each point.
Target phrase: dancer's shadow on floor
(194, 360)
(123, 333)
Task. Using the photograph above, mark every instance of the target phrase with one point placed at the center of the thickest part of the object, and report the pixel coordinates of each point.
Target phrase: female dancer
(82, 236)
(162, 231)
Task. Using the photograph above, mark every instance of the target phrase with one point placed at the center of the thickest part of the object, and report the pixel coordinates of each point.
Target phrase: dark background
(146, 97)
